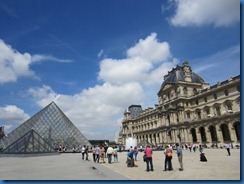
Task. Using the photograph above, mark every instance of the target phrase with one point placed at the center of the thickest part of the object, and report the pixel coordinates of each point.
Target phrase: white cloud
(204, 12)
(12, 114)
(150, 49)
(40, 58)
(13, 64)
(141, 63)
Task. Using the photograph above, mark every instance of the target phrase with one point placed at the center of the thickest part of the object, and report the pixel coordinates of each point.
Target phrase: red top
(148, 152)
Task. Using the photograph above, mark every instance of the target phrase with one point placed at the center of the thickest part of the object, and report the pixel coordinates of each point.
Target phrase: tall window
(199, 114)
(215, 96)
(228, 106)
(226, 93)
(205, 99)
(207, 111)
(217, 108)
(196, 102)
(194, 91)
(185, 91)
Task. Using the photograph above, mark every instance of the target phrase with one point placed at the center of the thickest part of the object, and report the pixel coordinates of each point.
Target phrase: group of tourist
(168, 152)
(102, 152)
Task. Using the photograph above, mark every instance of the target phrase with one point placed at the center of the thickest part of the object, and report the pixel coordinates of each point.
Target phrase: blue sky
(95, 58)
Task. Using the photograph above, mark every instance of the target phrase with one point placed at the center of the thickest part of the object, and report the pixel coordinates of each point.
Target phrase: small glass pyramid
(31, 142)
(50, 126)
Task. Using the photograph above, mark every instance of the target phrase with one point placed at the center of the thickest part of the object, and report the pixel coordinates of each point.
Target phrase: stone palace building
(189, 111)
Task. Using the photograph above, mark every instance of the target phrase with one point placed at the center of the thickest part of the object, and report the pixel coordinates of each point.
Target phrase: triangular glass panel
(52, 125)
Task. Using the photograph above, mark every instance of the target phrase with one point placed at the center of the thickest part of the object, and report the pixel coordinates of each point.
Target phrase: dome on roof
(180, 73)
(179, 76)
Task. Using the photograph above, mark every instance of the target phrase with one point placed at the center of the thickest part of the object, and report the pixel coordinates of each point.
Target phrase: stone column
(219, 134)
(173, 135)
(199, 138)
(153, 139)
(207, 133)
(190, 139)
(186, 135)
(232, 132)
(160, 137)
(182, 135)
(157, 138)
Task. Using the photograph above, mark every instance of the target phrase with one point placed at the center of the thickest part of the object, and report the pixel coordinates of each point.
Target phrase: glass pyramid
(31, 142)
(52, 125)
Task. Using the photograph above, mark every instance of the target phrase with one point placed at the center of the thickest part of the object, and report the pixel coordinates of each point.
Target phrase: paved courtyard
(71, 167)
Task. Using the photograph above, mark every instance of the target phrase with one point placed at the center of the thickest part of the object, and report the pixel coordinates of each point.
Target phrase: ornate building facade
(189, 111)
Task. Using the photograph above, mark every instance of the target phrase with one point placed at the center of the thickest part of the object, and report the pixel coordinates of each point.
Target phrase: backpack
(169, 154)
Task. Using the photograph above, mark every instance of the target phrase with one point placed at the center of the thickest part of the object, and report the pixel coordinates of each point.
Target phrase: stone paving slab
(219, 166)
(72, 167)
(55, 167)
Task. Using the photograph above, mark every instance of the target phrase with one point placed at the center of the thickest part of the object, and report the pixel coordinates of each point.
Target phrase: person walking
(101, 153)
(148, 152)
(83, 152)
(227, 146)
(168, 157)
(180, 156)
(94, 154)
(116, 154)
(97, 152)
(110, 152)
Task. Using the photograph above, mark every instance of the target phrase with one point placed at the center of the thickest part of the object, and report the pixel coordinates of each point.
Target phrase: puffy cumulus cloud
(203, 12)
(13, 64)
(150, 49)
(141, 64)
(43, 95)
(12, 114)
(92, 109)
(124, 70)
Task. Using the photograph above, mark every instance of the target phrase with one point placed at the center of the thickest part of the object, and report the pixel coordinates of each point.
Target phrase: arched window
(196, 102)
(199, 114)
(185, 91)
(205, 99)
(194, 135)
(194, 91)
(228, 105)
(225, 132)
(213, 133)
(237, 130)
(217, 110)
(226, 93)
(203, 134)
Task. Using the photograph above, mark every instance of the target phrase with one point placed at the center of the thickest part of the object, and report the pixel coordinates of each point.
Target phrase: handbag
(144, 157)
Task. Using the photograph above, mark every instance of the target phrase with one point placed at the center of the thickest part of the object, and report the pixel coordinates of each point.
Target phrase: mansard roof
(178, 74)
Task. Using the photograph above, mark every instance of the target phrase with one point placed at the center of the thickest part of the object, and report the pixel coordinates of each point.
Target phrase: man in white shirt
(227, 146)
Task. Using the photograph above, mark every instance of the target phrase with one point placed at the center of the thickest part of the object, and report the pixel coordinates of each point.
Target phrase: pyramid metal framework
(31, 142)
(51, 125)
